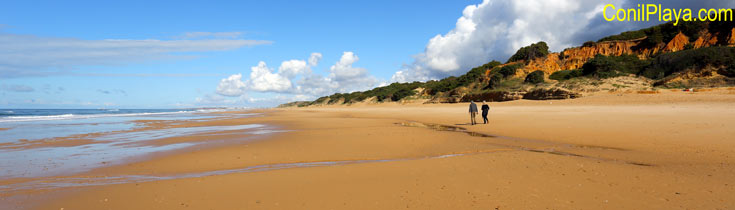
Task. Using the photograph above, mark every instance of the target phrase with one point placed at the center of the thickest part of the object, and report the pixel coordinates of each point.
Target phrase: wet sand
(671, 150)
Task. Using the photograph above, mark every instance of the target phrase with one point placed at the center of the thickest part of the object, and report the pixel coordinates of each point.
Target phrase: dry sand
(671, 150)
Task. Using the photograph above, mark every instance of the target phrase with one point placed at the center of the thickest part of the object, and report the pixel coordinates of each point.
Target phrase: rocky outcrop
(705, 40)
(453, 96)
(536, 94)
(552, 93)
(677, 43)
(437, 100)
(492, 96)
(548, 65)
(575, 57)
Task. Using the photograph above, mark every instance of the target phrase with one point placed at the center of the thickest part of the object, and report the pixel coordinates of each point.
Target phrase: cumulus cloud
(296, 81)
(343, 77)
(316, 85)
(292, 68)
(349, 78)
(495, 29)
(343, 69)
(315, 58)
(263, 80)
(231, 86)
(29, 55)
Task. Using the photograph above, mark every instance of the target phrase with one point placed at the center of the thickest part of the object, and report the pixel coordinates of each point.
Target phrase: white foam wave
(84, 116)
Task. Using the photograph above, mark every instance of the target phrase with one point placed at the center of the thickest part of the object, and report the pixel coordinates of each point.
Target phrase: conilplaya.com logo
(646, 12)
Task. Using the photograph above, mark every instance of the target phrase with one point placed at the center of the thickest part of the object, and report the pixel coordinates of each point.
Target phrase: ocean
(21, 115)
(48, 142)
(36, 124)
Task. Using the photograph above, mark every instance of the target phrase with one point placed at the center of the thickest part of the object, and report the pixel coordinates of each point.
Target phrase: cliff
(574, 58)
(693, 54)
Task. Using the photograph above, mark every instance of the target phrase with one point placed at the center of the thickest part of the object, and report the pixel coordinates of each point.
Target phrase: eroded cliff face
(548, 65)
(574, 58)
(677, 43)
(705, 40)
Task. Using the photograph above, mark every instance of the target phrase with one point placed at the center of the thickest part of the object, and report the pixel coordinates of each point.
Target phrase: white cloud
(343, 70)
(292, 68)
(316, 85)
(315, 58)
(29, 55)
(231, 86)
(349, 78)
(495, 29)
(263, 80)
(296, 80)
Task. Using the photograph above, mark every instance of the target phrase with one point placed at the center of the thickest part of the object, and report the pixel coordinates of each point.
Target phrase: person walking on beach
(473, 111)
(485, 109)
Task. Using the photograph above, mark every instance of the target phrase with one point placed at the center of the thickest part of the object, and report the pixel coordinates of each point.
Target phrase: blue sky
(383, 33)
(166, 54)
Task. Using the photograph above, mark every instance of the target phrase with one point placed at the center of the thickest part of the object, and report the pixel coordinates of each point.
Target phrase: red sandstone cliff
(574, 58)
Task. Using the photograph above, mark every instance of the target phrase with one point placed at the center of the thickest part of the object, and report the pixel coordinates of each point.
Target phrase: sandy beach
(671, 150)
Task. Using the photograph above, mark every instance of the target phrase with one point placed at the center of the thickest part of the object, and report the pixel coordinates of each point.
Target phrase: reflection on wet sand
(528, 145)
(72, 181)
(103, 149)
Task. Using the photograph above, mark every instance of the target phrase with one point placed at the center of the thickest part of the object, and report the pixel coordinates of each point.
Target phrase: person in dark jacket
(485, 109)
(473, 111)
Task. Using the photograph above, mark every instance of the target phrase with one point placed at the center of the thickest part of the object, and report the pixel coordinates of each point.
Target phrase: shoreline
(81, 153)
(635, 129)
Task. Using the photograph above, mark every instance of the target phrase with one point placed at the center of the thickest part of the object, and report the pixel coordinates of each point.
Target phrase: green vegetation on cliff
(394, 92)
(398, 91)
(666, 64)
(565, 74)
(535, 77)
(612, 66)
(530, 52)
(451, 83)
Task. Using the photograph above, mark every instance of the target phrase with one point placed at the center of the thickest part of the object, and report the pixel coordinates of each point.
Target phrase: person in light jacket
(473, 112)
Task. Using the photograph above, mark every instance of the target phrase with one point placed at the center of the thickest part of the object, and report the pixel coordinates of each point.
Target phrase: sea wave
(86, 116)
(10, 116)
